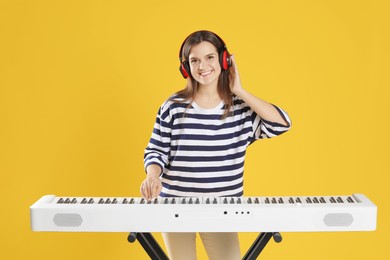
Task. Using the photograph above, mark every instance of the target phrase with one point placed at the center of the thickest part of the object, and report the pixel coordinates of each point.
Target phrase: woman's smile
(205, 73)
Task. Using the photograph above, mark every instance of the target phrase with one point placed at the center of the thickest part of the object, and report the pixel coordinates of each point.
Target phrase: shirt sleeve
(158, 149)
(263, 129)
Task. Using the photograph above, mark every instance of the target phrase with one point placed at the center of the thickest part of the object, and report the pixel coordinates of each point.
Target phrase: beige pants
(219, 246)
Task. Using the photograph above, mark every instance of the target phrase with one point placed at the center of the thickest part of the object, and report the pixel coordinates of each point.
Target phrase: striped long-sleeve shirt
(201, 154)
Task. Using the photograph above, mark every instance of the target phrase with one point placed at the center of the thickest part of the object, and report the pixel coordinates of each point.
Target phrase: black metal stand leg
(149, 244)
(259, 244)
(155, 252)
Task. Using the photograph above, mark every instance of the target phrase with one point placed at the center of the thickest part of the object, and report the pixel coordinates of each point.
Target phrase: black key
(90, 201)
(101, 201)
(84, 201)
(61, 200)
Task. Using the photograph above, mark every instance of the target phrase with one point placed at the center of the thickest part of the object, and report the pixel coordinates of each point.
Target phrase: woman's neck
(207, 97)
(210, 91)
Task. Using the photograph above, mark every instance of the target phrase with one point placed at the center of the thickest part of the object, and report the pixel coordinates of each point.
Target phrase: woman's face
(204, 63)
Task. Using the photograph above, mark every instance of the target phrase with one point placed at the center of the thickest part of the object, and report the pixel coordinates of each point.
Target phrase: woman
(200, 138)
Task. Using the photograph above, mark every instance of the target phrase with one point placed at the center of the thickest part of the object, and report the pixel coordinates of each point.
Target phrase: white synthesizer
(224, 214)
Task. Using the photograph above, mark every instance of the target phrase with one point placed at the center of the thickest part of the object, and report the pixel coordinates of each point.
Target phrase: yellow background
(81, 82)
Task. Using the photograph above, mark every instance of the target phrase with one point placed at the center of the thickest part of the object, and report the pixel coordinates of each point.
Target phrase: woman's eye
(193, 61)
(211, 57)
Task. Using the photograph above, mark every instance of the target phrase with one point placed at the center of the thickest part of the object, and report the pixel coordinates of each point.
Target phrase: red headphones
(224, 56)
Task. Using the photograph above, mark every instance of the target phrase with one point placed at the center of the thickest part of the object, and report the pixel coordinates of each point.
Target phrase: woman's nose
(200, 65)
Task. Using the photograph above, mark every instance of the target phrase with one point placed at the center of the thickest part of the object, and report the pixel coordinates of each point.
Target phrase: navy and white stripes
(202, 155)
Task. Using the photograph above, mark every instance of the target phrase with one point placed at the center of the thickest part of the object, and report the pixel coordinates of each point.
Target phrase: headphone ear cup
(184, 71)
(226, 61)
(229, 60)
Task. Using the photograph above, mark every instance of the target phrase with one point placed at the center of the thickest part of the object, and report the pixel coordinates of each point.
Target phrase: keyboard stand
(149, 244)
(155, 252)
(259, 244)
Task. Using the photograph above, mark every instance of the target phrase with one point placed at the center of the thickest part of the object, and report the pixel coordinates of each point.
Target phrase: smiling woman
(204, 52)
(200, 137)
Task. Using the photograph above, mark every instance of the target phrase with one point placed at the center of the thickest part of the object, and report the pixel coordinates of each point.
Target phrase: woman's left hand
(234, 78)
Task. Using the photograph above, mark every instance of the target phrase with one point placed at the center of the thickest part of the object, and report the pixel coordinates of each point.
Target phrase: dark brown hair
(192, 86)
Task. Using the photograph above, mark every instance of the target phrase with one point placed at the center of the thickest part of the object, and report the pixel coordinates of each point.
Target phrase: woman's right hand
(151, 186)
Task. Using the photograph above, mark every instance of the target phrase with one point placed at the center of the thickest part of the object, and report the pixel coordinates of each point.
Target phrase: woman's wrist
(241, 92)
(153, 171)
